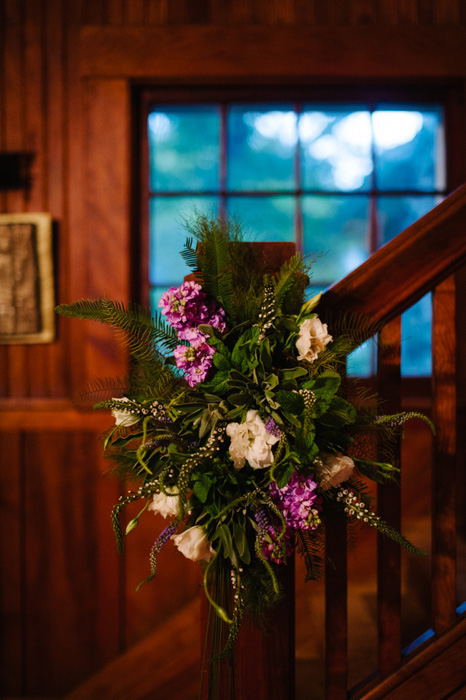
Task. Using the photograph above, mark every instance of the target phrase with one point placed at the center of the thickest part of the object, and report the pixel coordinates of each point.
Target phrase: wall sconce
(15, 170)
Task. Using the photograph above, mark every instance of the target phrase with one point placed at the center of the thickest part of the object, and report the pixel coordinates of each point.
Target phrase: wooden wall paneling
(159, 599)
(69, 602)
(37, 366)
(425, 11)
(14, 141)
(58, 353)
(233, 52)
(304, 12)
(444, 481)
(73, 217)
(282, 12)
(199, 12)
(12, 558)
(115, 12)
(364, 12)
(389, 509)
(447, 12)
(93, 12)
(158, 11)
(107, 152)
(134, 12)
(387, 12)
(177, 12)
(408, 12)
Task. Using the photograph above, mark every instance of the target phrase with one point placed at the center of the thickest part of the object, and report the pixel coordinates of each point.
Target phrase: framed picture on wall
(26, 279)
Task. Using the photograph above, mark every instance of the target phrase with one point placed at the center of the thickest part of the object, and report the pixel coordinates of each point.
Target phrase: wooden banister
(407, 267)
(419, 260)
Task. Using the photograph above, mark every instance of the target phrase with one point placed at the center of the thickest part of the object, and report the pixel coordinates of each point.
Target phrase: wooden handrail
(407, 267)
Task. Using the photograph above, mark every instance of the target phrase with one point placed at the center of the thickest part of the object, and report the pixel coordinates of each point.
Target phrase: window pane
(264, 218)
(261, 147)
(416, 354)
(337, 228)
(336, 148)
(362, 361)
(184, 148)
(398, 212)
(409, 149)
(168, 234)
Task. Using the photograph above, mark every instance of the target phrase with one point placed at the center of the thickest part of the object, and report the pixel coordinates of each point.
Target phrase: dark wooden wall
(67, 75)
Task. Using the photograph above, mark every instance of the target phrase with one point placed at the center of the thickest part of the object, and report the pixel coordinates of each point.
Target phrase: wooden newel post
(264, 658)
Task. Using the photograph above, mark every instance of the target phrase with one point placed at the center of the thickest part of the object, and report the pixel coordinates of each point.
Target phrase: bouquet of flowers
(236, 422)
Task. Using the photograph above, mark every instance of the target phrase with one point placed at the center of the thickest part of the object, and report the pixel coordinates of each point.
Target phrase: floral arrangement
(237, 422)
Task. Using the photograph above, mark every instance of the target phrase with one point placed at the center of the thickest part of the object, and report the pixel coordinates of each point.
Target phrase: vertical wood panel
(363, 12)
(447, 12)
(36, 367)
(11, 570)
(336, 610)
(134, 12)
(158, 11)
(425, 10)
(407, 12)
(69, 600)
(58, 353)
(115, 12)
(14, 141)
(73, 220)
(387, 12)
(93, 12)
(444, 462)
(107, 149)
(305, 12)
(389, 509)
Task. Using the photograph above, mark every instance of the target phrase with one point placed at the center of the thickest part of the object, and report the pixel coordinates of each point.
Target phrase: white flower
(335, 469)
(251, 441)
(165, 505)
(194, 544)
(313, 337)
(123, 416)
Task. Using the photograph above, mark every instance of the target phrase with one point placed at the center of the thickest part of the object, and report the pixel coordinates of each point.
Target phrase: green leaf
(290, 402)
(240, 399)
(221, 362)
(283, 474)
(223, 534)
(201, 487)
(293, 373)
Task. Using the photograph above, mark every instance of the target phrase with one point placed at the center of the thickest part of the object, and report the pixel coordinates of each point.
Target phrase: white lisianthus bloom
(194, 544)
(251, 441)
(313, 337)
(335, 469)
(123, 416)
(165, 505)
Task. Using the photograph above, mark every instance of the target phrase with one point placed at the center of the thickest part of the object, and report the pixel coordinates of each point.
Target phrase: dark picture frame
(26, 279)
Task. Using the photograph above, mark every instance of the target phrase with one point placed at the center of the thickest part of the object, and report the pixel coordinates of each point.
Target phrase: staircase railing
(421, 259)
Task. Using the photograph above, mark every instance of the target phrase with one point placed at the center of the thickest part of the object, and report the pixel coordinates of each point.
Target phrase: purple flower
(271, 547)
(272, 427)
(298, 501)
(186, 309)
(195, 361)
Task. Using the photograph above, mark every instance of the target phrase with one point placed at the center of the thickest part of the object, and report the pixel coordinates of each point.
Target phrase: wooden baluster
(389, 509)
(444, 461)
(336, 611)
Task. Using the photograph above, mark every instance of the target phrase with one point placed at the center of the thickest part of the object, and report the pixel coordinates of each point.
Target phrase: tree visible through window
(340, 180)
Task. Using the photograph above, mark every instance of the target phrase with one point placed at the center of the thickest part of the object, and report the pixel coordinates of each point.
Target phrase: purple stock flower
(195, 361)
(185, 309)
(299, 502)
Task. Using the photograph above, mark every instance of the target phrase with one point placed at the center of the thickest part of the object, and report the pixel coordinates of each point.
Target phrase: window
(340, 179)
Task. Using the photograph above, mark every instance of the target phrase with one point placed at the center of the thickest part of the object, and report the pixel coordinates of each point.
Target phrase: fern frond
(104, 388)
(189, 255)
(287, 276)
(310, 546)
(146, 337)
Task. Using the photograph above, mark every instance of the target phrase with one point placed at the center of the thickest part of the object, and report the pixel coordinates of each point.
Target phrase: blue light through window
(341, 180)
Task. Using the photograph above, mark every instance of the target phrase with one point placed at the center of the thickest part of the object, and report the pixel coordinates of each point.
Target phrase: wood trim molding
(50, 414)
(282, 51)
